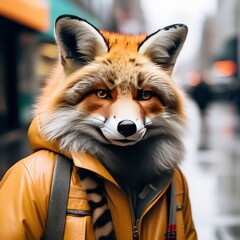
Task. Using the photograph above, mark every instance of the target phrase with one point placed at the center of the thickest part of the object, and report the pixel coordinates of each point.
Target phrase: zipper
(135, 220)
(131, 202)
(135, 229)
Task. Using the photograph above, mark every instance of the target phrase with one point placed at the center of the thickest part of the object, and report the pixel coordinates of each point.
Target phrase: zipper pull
(135, 229)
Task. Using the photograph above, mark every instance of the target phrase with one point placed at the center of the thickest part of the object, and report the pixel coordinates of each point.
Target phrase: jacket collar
(151, 192)
(86, 161)
(139, 201)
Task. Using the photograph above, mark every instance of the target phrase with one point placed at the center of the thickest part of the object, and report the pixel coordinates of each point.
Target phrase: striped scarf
(101, 215)
(100, 212)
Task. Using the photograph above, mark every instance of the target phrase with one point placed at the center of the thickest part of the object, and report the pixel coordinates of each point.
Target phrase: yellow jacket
(24, 198)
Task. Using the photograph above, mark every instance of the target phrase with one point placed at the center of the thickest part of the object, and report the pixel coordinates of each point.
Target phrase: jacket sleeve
(184, 220)
(23, 201)
(190, 231)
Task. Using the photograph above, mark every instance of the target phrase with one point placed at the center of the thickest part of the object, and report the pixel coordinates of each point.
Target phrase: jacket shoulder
(39, 169)
(185, 225)
(24, 196)
(41, 161)
(36, 172)
(180, 182)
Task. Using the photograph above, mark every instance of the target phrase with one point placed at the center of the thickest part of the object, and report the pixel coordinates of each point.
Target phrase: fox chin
(113, 96)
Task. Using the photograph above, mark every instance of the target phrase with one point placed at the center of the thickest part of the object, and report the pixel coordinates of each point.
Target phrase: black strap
(58, 199)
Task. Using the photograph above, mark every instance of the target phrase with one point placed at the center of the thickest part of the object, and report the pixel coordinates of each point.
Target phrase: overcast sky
(160, 13)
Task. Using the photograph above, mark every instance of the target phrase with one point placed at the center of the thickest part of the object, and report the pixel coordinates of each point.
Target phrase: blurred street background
(207, 70)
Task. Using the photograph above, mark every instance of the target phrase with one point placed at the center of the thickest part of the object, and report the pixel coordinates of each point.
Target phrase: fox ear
(79, 42)
(163, 46)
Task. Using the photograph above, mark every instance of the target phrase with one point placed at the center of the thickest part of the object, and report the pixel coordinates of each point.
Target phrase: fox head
(114, 90)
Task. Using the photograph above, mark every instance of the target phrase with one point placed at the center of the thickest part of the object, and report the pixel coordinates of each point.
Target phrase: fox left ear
(79, 42)
(163, 46)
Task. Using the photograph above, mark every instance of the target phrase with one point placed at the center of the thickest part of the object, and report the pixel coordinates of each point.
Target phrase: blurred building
(219, 52)
(117, 15)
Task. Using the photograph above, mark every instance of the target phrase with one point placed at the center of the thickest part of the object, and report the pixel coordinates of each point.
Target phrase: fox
(113, 96)
(107, 141)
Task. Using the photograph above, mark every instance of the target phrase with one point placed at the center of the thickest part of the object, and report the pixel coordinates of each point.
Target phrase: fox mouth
(123, 140)
(119, 142)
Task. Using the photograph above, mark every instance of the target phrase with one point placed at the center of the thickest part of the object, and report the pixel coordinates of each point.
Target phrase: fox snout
(125, 125)
(124, 132)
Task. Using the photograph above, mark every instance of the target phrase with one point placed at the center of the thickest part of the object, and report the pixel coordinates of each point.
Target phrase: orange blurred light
(31, 13)
(193, 78)
(225, 68)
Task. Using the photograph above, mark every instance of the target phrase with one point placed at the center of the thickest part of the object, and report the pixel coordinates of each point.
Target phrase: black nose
(127, 128)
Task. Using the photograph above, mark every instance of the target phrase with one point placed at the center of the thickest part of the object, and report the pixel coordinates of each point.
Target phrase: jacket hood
(37, 140)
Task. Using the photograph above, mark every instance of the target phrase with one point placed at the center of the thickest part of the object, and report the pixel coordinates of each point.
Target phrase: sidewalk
(213, 175)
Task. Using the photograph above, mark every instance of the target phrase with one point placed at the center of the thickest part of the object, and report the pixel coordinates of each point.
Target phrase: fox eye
(144, 95)
(103, 94)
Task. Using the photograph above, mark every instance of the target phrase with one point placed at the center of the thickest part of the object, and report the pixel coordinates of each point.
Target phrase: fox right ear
(163, 46)
(79, 42)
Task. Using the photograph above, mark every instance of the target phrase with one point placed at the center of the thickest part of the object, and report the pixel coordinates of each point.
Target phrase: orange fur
(116, 40)
(124, 60)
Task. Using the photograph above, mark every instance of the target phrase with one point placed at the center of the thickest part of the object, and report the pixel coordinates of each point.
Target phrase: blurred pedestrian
(202, 95)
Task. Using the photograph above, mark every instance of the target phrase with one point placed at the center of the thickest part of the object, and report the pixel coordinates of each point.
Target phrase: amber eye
(144, 95)
(103, 94)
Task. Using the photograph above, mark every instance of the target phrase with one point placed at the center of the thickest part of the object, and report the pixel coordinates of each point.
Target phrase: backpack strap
(56, 218)
(171, 198)
(180, 200)
(175, 198)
